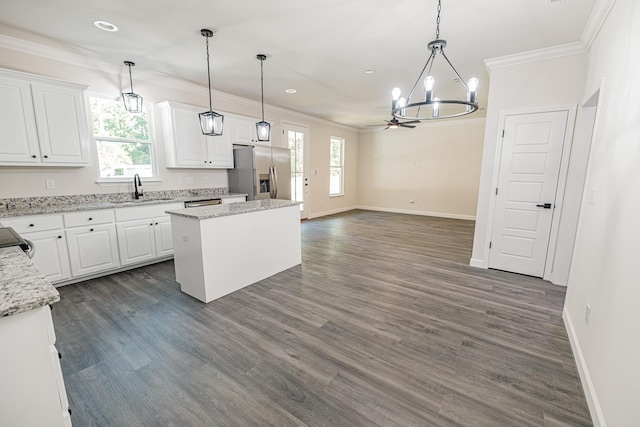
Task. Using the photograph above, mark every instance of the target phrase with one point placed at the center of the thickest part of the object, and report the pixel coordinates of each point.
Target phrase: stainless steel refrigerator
(261, 172)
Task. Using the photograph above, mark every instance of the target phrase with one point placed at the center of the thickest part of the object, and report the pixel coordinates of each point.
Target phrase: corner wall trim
(479, 263)
(583, 370)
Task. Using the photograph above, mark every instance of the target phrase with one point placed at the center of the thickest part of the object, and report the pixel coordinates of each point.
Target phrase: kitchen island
(220, 249)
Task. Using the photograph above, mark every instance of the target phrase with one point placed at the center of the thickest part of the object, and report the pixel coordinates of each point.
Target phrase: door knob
(545, 206)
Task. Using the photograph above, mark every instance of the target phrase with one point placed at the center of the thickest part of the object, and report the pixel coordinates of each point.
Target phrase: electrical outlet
(189, 180)
(181, 181)
(592, 196)
(587, 314)
(185, 238)
(51, 184)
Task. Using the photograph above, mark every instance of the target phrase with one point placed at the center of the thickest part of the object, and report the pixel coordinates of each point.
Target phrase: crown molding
(596, 20)
(85, 59)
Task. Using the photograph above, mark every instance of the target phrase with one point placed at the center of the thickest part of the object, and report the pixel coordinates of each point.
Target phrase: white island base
(220, 249)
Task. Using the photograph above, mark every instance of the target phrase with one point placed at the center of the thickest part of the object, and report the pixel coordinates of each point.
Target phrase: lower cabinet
(47, 234)
(92, 248)
(32, 391)
(144, 239)
(51, 255)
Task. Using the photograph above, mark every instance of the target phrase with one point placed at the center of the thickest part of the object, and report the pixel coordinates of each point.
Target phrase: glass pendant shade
(211, 123)
(132, 101)
(263, 130)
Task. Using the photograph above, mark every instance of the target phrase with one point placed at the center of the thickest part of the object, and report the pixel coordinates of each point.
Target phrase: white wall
(539, 84)
(604, 272)
(109, 81)
(437, 165)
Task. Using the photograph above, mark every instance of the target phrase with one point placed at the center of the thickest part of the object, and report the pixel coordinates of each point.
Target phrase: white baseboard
(597, 417)
(412, 212)
(479, 263)
(331, 212)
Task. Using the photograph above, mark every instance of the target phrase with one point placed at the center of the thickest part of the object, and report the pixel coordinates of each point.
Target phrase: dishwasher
(198, 203)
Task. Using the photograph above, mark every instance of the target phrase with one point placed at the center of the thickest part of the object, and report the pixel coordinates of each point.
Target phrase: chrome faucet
(136, 182)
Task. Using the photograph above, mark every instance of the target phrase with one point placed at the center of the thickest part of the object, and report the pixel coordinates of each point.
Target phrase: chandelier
(430, 107)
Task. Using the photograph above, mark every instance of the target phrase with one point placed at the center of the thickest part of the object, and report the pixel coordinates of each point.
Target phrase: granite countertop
(22, 286)
(80, 205)
(214, 211)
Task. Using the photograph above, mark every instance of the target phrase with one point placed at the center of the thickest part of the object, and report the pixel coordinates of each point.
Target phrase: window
(122, 141)
(336, 184)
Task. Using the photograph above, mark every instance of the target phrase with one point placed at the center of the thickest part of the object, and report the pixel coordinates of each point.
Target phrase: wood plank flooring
(383, 324)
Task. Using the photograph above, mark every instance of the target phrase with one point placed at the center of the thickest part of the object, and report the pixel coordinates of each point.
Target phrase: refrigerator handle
(274, 182)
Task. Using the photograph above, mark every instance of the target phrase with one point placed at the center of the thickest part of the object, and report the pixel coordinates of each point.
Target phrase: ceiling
(318, 47)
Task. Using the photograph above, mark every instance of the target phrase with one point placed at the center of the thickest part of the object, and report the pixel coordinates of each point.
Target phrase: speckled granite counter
(61, 204)
(206, 212)
(22, 287)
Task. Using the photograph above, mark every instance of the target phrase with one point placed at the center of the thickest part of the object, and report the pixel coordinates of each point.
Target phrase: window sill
(129, 180)
(336, 195)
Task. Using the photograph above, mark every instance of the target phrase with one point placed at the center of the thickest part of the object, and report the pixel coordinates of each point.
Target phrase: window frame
(341, 168)
(148, 109)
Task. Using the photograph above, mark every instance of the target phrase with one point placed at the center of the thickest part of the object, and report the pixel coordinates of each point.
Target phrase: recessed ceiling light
(290, 91)
(107, 26)
(369, 72)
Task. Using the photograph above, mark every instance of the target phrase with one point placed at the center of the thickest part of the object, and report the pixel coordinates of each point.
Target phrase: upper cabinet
(44, 122)
(244, 131)
(186, 146)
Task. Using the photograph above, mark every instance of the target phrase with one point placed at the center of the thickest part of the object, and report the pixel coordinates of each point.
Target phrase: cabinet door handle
(156, 223)
(30, 225)
(544, 206)
(59, 237)
(59, 355)
(91, 229)
(90, 219)
(45, 156)
(34, 156)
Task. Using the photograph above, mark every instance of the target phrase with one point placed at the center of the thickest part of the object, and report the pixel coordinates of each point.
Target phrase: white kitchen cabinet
(144, 233)
(136, 241)
(33, 391)
(244, 131)
(19, 140)
(47, 234)
(51, 254)
(44, 122)
(92, 248)
(186, 146)
(164, 240)
(227, 200)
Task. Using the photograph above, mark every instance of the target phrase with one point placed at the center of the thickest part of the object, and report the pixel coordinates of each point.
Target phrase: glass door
(296, 137)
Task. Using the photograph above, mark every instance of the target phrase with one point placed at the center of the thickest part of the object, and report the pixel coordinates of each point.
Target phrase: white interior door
(297, 140)
(527, 183)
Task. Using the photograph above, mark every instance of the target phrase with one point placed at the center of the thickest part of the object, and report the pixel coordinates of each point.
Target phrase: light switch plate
(51, 184)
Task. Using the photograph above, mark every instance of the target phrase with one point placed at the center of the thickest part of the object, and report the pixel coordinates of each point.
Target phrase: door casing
(562, 178)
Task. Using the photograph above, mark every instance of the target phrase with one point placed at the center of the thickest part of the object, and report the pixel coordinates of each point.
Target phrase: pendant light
(210, 121)
(403, 108)
(132, 101)
(263, 129)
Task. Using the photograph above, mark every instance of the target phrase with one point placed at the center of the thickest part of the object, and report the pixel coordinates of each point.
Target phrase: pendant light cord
(130, 79)
(262, 86)
(438, 20)
(209, 74)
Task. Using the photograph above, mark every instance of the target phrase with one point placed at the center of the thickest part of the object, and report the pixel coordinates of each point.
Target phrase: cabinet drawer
(27, 224)
(77, 219)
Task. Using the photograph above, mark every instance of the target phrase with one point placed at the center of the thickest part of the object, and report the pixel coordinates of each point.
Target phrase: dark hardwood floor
(383, 324)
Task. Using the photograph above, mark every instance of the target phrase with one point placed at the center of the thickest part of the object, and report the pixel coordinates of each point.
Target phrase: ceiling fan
(394, 123)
